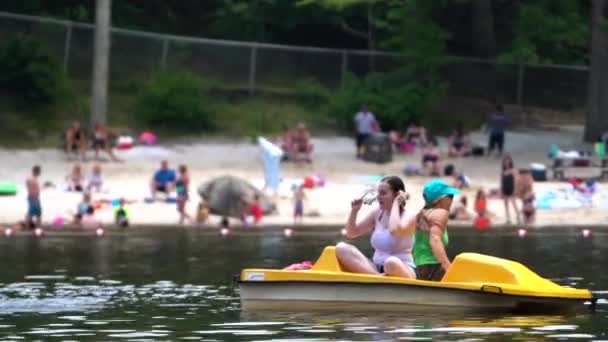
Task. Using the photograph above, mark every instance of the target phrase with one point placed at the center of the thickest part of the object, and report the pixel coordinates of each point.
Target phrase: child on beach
(202, 212)
(525, 192)
(83, 207)
(75, 179)
(182, 186)
(255, 210)
(482, 220)
(121, 214)
(33, 218)
(95, 179)
(460, 211)
(298, 204)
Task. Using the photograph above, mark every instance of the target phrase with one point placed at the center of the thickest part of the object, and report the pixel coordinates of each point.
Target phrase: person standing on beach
(182, 187)
(365, 126)
(34, 211)
(497, 125)
(298, 205)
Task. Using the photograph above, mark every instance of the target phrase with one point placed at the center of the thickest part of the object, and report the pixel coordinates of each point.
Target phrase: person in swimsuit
(392, 253)
(301, 144)
(95, 179)
(101, 137)
(33, 218)
(298, 205)
(430, 158)
(507, 187)
(75, 141)
(75, 179)
(459, 144)
(525, 192)
(428, 227)
(83, 207)
(182, 186)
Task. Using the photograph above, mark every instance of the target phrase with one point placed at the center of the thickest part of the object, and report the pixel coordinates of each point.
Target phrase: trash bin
(378, 149)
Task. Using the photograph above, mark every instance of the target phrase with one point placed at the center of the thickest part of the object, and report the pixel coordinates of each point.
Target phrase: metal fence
(256, 67)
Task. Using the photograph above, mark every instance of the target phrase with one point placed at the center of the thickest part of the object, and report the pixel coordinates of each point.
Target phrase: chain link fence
(256, 67)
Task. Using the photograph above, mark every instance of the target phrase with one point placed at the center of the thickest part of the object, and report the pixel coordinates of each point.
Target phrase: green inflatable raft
(8, 189)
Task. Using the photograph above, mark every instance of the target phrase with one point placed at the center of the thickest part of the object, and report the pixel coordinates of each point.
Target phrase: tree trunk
(101, 61)
(597, 111)
(484, 40)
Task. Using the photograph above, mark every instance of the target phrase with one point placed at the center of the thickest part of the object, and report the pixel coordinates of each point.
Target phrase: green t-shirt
(423, 254)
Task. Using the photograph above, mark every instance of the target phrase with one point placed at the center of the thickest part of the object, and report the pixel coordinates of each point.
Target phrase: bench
(560, 165)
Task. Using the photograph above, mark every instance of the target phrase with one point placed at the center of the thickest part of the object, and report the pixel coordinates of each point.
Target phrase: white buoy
(522, 232)
(288, 232)
(586, 232)
(224, 231)
(100, 232)
(8, 232)
(343, 232)
(38, 232)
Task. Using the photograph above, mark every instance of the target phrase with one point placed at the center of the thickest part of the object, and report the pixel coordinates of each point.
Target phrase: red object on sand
(147, 138)
(482, 223)
(256, 211)
(309, 182)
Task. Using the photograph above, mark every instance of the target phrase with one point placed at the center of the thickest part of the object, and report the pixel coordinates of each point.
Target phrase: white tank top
(385, 245)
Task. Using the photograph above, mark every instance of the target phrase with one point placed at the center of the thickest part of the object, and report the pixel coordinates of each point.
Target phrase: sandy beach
(334, 158)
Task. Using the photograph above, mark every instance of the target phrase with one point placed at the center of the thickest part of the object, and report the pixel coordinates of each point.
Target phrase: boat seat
(327, 261)
(478, 268)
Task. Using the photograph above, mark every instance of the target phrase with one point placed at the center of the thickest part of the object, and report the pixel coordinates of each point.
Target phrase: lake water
(172, 285)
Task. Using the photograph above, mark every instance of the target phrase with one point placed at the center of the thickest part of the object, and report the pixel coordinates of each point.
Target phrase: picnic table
(563, 163)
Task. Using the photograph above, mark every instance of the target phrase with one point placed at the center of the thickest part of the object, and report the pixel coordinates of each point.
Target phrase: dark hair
(463, 200)
(36, 169)
(183, 168)
(500, 108)
(90, 210)
(396, 185)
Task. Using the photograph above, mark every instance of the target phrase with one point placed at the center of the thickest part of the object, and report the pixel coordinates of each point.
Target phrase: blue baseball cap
(436, 189)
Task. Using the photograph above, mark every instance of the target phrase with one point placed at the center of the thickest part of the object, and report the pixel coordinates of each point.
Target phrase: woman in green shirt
(429, 227)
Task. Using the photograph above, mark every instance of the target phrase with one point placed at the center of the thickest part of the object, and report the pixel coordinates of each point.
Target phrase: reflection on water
(176, 285)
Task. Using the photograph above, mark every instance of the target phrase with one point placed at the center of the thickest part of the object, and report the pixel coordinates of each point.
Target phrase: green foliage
(394, 100)
(549, 32)
(311, 93)
(27, 69)
(175, 100)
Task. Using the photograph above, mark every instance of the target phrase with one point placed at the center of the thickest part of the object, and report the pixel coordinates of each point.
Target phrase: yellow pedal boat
(474, 281)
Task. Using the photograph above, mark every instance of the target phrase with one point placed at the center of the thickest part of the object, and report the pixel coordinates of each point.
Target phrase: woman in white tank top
(392, 252)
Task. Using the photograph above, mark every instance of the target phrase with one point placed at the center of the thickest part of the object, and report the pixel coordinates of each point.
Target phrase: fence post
(344, 69)
(252, 67)
(163, 57)
(66, 50)
(520, 89)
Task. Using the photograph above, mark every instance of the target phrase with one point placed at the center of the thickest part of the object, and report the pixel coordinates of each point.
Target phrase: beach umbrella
(231, 196)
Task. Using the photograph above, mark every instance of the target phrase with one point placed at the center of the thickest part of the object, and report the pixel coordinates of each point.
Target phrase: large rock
(229, 196)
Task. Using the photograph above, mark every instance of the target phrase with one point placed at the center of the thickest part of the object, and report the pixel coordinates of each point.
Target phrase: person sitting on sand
(415, 134)
(461, 180)
(83, 207)
(101, 141)
(75, 141)
(286, 142)
(459, 144)
(302, 144)
(163, 180)
(95, 179)
(431, 158)
(392, 251)
(75, 179)
(460, 211)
